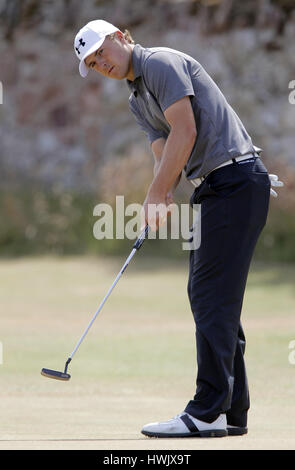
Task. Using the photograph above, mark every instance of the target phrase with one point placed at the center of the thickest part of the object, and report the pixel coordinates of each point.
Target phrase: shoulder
(164, 64)
(161, 56)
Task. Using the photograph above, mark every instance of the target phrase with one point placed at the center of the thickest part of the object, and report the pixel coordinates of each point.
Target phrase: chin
(118, 76)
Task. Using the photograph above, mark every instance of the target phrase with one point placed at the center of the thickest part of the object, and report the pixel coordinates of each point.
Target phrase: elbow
(190, 134)
(188, 129)
(193, 133)
(186, 132)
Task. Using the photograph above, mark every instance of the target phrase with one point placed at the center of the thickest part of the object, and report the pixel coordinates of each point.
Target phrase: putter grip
(141, 238)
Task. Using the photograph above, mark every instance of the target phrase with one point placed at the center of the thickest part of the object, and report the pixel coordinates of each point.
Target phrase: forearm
(168, 168)
(158, 149)
(176, 182)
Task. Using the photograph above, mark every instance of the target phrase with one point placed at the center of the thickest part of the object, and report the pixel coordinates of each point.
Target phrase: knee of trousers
(217, 331)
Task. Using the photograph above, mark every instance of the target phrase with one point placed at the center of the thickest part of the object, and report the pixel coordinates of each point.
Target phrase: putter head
(55, 374)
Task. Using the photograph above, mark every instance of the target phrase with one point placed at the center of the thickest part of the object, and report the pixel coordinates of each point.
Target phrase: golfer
(193, 129)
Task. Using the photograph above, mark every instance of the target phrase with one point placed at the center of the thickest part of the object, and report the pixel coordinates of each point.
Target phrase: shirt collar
(136, 58)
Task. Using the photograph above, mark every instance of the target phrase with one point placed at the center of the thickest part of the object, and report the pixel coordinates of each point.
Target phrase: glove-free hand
(274, 181)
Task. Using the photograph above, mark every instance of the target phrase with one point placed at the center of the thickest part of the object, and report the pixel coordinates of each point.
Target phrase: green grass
(137, 363)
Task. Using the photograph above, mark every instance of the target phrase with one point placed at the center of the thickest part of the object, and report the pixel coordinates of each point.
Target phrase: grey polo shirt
(163, 76)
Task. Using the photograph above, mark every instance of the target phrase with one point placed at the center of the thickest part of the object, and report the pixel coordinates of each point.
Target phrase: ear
(120, 35)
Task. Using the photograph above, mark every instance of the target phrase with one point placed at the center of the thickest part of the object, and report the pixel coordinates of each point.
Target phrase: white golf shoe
(185, 425)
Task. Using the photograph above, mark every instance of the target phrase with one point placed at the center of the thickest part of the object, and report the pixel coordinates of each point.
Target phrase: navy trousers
(234, 205)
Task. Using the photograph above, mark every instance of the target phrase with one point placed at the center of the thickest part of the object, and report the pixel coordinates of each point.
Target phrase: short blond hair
(126, 35)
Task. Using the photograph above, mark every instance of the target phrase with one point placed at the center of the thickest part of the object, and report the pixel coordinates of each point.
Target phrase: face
(113, 58)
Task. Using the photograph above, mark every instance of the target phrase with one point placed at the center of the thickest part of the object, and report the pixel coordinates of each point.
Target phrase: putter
(58, 375)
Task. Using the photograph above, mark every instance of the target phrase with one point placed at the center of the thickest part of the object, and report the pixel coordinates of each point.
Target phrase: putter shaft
(136, 247)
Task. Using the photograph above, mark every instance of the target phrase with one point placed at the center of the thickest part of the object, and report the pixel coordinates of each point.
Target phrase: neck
(130, 74)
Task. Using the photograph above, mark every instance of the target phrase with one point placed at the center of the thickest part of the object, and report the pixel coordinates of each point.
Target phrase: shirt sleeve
(167, 76)
(151, 133)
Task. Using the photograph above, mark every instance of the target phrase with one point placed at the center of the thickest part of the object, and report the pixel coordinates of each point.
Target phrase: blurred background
(69, 143)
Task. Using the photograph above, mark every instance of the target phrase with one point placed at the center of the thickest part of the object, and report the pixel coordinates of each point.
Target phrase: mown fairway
(137, 363)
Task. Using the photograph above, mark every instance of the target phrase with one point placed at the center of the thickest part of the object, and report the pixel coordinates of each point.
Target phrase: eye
(100, 52)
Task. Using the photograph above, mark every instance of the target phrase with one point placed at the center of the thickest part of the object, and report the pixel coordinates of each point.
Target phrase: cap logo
(81, 43)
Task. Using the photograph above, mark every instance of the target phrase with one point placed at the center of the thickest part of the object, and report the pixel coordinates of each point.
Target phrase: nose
(101, 63)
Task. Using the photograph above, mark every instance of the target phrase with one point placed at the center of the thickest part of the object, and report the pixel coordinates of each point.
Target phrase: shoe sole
(237, 431)
(207, 433)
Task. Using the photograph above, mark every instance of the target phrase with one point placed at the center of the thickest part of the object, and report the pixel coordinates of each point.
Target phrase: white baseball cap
(89, 39)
